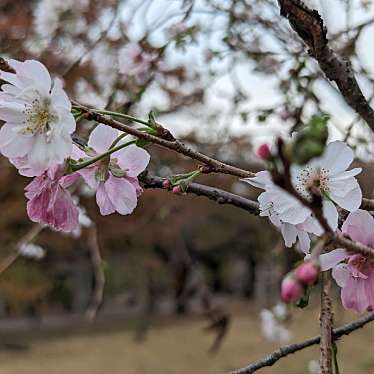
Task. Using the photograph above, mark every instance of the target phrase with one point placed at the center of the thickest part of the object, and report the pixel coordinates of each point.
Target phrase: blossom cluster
(328, 175)
(36, 138)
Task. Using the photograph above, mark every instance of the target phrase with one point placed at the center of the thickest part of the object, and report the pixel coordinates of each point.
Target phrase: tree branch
(99, 275)
(166, 140)
(308, 24)
(212, 193)
(326, 320)
(284, 351)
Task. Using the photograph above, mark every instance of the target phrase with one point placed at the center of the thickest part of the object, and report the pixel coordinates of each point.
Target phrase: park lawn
(179, 346)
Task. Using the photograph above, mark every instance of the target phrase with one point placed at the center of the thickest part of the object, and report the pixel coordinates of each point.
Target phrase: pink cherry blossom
(352, 272)
(49, 201)
(114, 178)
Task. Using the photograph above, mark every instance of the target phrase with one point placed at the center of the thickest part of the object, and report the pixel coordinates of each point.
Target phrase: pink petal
(132, 159)
(102, 199)
(359, 226)
(122, 194)
(102, 137)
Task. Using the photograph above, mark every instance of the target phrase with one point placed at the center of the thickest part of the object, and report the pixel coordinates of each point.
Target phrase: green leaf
(311, 141)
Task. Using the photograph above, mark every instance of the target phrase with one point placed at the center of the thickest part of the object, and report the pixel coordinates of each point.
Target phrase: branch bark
(326, 320)
(212, 193)
(167, 141)
(284, 351)
(308, 24)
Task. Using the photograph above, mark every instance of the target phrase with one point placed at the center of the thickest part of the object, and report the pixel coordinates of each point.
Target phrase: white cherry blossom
(329, 175)
(37, 115)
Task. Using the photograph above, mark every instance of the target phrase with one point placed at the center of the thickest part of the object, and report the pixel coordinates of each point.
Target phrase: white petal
(304, 241)
(351, 201)
(260, 180)
(289, 234)
(341, 274)
(12, 112)
(13, 144)
(337, 157)
(39, 74)
(330, 213)
(329, 260)
(66, 121)
(58, 95)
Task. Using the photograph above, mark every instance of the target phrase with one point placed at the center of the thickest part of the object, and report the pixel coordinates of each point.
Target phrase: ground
(179, 346)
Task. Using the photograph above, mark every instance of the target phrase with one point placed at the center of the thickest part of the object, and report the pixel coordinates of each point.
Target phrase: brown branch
(212, 165)
(212, 193)
(284, 351)
(353, 246)
(9, 260)
(308, 24)
(97, 264)
(326, 321)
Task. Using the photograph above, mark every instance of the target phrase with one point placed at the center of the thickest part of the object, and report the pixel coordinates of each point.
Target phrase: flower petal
(102, 199)
(337, 157)
(329, 260)
(359, 226)
(102, 137)
(330, 213)
(122, 194)
(132, 159)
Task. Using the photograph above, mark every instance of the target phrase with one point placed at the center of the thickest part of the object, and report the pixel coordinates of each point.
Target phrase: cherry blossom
(113, 178)
(287, 214)
(50, 202)
(37, 115)
(329, 176)
(354, 273)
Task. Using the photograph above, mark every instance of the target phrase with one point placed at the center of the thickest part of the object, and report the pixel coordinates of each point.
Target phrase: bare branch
(29, 236)
(309, 26)
(284, 351)
(326, 321)
(212, 193)
(97, 264)
(166, 140)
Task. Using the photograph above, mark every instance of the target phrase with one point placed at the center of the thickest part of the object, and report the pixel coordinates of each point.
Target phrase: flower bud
(166, 183)
(291, 290)
(264, 152)
(307, 273)
(177, 190)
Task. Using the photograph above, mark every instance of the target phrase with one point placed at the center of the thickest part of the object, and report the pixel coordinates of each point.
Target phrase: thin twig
(213, 165)
(308, 24)
(212, 193)
(99, 276)
(9, 260)
(284, 351)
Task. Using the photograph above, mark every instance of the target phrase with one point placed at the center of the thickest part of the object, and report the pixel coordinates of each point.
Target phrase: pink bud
(264, 152)
(177, 190)
(291, 290)
(307, 273)
(166, 183)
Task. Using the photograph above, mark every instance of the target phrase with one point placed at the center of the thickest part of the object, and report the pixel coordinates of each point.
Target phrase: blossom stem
(123, 115)
(84, 164)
